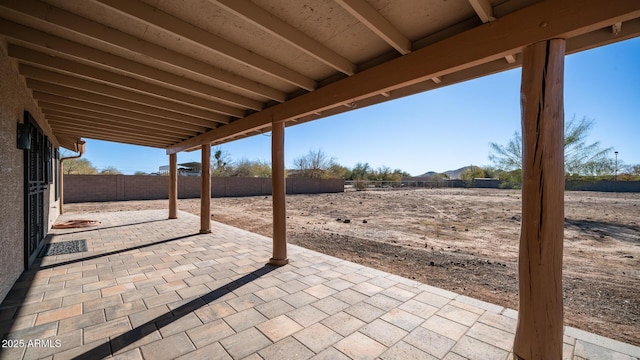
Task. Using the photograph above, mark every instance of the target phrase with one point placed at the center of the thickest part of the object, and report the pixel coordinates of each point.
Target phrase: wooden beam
(437, 79)
(88, 28)
(178, 101)
(616, 28)
(444, 57)
(373, 20)
(205, 190)
(539, 332)
(167, 22)
(483, 9)
(173, 186)
(98, 118)
(64, 91)
(52, 101)
(83, 53)
(511, 59)
(278, 186)
(271, 24)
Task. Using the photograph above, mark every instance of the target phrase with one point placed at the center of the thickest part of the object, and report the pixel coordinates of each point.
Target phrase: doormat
(64, 247)
(72, 224)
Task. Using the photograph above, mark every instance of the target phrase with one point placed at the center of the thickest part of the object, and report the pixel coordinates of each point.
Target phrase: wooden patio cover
(180, 73)
(185, 74)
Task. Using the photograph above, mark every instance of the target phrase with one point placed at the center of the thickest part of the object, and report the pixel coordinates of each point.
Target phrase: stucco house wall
(14, 100)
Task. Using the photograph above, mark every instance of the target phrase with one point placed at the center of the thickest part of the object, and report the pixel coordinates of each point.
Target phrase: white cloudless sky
(442, 129)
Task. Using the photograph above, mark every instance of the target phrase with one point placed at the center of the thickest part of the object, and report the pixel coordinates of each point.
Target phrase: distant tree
(250, 168)
(79, 166)
(110, 170)
(401, 173)
(337, 171)
(221, 163)
(360, 171)
(473, 172)
(315, 164)
(140, 173)
(507, 157)
(634, 169)
(384, 173)
(579, 156)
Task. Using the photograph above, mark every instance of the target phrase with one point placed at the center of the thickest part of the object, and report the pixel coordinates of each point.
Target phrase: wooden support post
(278, 187)
(61, 186)
(205, 190)
(539, 331)
(173, 186)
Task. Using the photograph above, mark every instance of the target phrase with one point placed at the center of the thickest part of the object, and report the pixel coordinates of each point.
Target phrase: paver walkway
(151, 288)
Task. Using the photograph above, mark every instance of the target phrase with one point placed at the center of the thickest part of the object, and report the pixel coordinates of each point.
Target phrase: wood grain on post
(539, 331)
(205, 190)
(173, 186)
(278, 190)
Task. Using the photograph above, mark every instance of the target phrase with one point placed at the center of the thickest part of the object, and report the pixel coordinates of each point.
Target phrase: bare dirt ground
(462, 240)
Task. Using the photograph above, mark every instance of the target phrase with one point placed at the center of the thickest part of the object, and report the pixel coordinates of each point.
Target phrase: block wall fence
(89, 188)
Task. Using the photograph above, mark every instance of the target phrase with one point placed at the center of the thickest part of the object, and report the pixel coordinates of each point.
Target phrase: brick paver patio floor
(151, 288)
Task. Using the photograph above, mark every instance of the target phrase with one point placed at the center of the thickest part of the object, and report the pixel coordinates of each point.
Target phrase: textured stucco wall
(14, 100)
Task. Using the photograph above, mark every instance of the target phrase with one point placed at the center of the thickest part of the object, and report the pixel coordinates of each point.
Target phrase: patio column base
(205, 231)
(278, 262)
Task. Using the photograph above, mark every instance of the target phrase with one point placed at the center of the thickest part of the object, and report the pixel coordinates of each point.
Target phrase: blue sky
(442, 129)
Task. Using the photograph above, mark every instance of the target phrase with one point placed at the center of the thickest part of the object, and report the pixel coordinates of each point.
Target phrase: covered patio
(183, 76)
(152, 288)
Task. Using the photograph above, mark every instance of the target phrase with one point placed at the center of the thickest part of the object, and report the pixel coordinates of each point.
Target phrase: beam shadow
(114, 252)
(618, 231)
(62, 232)
(122, 341)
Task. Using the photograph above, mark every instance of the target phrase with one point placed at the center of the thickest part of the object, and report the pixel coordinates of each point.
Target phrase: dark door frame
(36, 180)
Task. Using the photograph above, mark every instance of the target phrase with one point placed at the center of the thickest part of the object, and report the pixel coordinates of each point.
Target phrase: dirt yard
(463, 240)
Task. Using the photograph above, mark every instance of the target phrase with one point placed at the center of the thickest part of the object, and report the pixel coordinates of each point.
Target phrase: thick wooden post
(540, 314)
(278, 187)
(173, 186)
(205, 190)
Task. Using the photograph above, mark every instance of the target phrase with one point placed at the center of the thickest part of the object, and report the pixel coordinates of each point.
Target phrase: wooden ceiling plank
(56, 16)
(89, 115)
(126, 141)
(373, 20)
(181, 102)
(109, 135)
(483, 9)
(99, 135)
(543, 20)
(62, 122)
(273, 25)
(168, 22)
(66, 47)
(44, 98)
(86, 120)
(64, 91)
(35, 73)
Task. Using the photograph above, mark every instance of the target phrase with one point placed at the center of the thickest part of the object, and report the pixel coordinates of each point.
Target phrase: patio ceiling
(177, 74)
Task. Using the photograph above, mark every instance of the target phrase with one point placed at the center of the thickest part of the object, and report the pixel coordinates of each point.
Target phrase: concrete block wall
(609, 186)
(87, 188)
